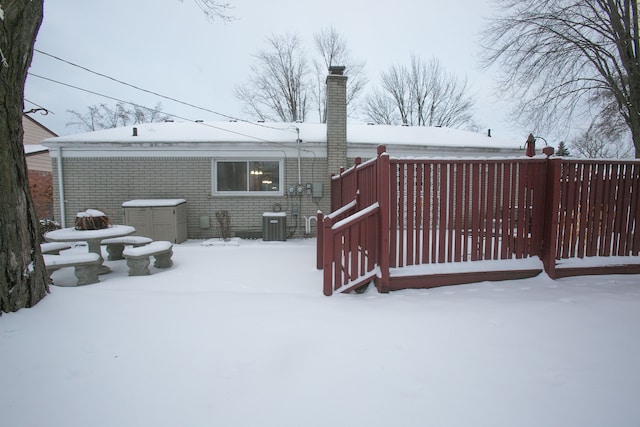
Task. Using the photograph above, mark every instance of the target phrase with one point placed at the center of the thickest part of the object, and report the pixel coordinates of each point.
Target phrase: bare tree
(332, 49)
(602, 142)
(279, 86)
(380, 109)
(392, 101)
(214, 10)
(563, 59)
(141, 114)
(23, 278)
(421, 94)
(103, 116)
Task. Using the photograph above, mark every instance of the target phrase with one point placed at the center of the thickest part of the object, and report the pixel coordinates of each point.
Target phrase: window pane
(264, 176)
(232, 176)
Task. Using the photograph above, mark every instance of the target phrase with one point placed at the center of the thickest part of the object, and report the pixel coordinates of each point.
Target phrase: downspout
(299, 168)
(61, 188)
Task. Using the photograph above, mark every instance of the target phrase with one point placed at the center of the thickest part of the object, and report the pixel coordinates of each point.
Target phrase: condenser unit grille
(274, 226)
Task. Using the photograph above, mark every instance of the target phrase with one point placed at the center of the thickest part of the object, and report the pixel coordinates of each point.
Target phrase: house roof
(251, 132)
(30, 149)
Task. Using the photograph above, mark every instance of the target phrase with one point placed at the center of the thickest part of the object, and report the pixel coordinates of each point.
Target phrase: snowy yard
(242, 336)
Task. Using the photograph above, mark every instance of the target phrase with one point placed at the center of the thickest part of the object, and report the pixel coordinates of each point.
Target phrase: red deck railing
(394, 213)
(360, 179)
(351, 250)
(465, 210)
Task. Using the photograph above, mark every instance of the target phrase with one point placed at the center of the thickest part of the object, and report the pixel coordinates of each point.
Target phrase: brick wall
(41, 186)
(105, 183)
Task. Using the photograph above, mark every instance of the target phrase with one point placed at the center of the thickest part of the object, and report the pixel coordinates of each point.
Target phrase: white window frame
(214, 177)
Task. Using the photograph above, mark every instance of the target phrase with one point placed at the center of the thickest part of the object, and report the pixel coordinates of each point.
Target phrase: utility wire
(150, 91)
(172, 115)
(39, 106)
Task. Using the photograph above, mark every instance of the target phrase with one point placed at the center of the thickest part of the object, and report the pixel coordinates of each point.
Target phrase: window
(240, 176)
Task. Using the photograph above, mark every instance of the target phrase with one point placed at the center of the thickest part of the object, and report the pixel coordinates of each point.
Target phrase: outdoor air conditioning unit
(274, 226)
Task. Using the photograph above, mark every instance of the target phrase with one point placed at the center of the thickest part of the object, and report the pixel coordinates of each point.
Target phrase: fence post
(356, 180)
(327, 257)
(319, 240)
(550, 237)
(541, 203)
(538, 183)
(384, 202)
(335, 184)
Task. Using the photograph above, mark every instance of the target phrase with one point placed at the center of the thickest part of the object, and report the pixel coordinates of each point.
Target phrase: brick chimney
(336, 119)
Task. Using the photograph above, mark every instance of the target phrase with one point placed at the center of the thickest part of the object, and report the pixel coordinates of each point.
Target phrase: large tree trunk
(626, 29)
(23, 278)
(634, 125)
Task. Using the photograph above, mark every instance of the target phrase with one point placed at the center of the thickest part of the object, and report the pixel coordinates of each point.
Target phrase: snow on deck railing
(356, 216)
(346, 208)
(354, 167)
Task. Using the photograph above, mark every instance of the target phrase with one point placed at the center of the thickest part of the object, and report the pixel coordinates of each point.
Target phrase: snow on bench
(86, 265)
(115, 245)
(138, 257)
(53, 248)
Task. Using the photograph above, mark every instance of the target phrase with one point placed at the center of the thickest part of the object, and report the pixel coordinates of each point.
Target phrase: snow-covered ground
(242, 336)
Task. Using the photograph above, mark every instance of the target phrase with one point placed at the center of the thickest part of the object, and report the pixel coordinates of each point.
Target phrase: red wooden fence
(594, 214)
(396, 213)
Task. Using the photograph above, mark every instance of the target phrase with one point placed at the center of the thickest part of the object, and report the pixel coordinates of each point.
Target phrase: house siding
(105, 183)
(39, 162)
(34, 132)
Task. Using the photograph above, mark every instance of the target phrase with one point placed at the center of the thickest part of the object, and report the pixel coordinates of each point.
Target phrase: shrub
(47, 225)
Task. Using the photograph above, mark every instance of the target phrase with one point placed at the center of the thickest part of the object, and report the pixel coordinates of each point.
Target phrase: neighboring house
(38, 165)
(242, 168)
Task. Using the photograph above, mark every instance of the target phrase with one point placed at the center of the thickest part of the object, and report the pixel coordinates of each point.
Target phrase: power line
(132, 85)
(150, 91)
(172, 115)
(39, 106)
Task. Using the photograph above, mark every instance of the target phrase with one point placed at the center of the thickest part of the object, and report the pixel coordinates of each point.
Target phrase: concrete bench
(86, 265)
(115, 245)
(138, 257)
(53, 248)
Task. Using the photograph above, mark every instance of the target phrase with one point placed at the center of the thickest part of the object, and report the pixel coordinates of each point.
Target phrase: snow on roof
(141, 203)
(252, 132)
(421, 135)
(34, 148)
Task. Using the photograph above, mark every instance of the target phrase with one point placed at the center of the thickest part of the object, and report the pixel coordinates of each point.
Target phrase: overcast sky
(169, 47)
